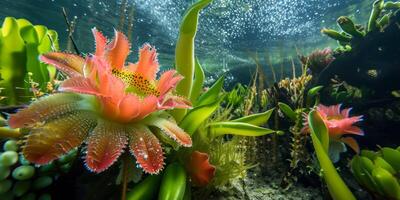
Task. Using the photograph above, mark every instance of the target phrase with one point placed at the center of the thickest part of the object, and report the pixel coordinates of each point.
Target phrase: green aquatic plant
(378, 172)
(19, 178)
(320, 139)
(20, 45)
(380, 17)
(185, 62)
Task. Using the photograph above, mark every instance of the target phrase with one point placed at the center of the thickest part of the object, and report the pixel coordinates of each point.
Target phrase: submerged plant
(318, 60)
(378, 172)
(106, 105)
(338, 123)
(20, 45)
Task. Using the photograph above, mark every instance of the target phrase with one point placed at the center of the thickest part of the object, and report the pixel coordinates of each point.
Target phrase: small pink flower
(105, 104)
(339, 123)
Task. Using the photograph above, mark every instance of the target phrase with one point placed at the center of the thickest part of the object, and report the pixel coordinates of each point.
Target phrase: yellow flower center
(136, 83)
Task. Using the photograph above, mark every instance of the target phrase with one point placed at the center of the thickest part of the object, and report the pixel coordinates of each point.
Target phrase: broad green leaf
(287, 111)
(369, 154)
(237, 128)
(198, 81)
(336, 186)
(256, 119)
(387, 182)
(391, 156)
(361, 173)
(318, 127)
(194, 118)
(380, 162)
(212, 94)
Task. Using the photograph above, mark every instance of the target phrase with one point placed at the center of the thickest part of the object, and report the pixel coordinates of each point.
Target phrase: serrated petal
(104, 145)
(79, 85)
(70, 64)
(147, 150)
(147, 65)
(46, 108)
(50, 141)
(101, 42)
(117, 51)
(172, 130)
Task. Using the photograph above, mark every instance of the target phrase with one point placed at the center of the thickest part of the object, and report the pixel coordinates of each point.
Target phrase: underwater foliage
(107, 104)
(320, 138)
(20, 45)
(378, 172)
(318, 60)
(338, 123)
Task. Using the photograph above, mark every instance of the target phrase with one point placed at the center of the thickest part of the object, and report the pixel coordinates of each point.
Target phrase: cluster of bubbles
(21, 179)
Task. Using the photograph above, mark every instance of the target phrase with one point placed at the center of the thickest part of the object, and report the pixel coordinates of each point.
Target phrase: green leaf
(369, 154)
(212, 94)
(380, 162)
(317, 126)
(287, 111)
(185, 51)
(198, 116)
(362, 173)
(391, 156)
(387, 182)
(237, 128)
(173, 184)
(198, 81)
(311, 94)
(256, 119)
(147, 189)
(336, 186)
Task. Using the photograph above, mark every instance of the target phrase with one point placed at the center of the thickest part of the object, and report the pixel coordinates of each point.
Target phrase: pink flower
(339, 123)
(107, 105)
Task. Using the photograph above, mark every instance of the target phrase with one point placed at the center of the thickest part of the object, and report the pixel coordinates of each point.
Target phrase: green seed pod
(4, 172)
(45, 197)
(30, 196)
(10, 145)
(42, 182)
(23, 172)
(173, 184)
(23, 160)
(392, 157)
(380, 162)
(5, 186)
(8, 158)
(387, 182)
(21, 187)
(347, 25)
(335, 35)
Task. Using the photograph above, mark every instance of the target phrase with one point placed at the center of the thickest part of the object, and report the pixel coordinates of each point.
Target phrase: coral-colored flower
(105, 104)
(339, 123)
(200, 170)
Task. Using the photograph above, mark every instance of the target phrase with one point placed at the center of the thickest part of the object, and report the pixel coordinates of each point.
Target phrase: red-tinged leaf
(200, 169)
(53, 139)
(104, 145)
(147, 150)
(172, 130)
(44, 109)
(352, 143)
(70, 64)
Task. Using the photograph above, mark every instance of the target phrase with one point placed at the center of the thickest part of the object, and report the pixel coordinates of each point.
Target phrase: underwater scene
(199, 99)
